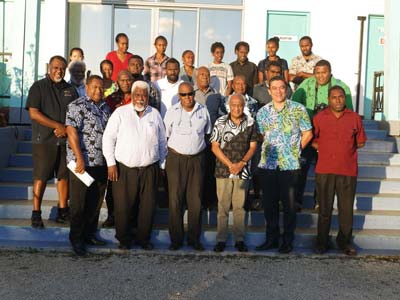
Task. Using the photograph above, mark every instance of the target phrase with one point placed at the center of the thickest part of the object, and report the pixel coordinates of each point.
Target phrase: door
(289, 27)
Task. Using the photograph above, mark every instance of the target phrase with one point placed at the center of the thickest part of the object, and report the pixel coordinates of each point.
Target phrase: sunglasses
(186, 94)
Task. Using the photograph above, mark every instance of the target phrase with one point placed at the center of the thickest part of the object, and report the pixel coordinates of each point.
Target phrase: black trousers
(85, 204)
(279, 185)
(344, 187)
(110, 200)
(308, 156)
(185, 182)
(136, 189)
(210, 195)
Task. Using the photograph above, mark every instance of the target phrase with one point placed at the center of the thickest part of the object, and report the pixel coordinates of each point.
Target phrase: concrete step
(27, 134)
(375, 134)
(368, 185)
(24, 147)
(380, 146)
(372, 171)
(23, 190)
(378, 158)
(20, 160)
(16, 174)
(370, 124)
(57, 238)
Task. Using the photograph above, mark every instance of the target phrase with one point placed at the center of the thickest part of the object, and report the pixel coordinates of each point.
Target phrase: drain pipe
(360, 53)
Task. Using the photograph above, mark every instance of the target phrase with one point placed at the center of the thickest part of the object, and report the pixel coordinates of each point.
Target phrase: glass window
(223, 2)
(219, 25)
(90, 29)
(136, 23)
(179, 27)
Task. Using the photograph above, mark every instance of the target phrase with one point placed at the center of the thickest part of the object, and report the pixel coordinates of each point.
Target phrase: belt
(138, 168)
(185, 155)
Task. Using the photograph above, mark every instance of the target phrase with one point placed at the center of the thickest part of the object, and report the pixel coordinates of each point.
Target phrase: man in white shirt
(168, 86)
(187, 123)
(135, 146)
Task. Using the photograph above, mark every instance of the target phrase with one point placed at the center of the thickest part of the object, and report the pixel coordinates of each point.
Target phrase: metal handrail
(378, 93)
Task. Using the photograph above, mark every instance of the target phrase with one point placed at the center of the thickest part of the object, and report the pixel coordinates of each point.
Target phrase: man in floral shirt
(86, 120)
(286, 130)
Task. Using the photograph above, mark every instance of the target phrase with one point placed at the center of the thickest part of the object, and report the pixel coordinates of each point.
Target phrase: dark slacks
(85, 204)
(110, 200)
(308, 157)
(185, 181)
(344, 187)
(210, 198)
(136, 188)
(279, 185)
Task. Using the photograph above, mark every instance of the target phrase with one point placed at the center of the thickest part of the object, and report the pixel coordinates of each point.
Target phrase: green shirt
(310, 95)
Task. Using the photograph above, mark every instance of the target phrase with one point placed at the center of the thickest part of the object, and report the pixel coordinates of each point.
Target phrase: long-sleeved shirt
(135, 141)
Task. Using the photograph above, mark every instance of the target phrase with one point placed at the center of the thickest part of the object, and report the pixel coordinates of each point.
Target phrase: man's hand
(80, 166)
(113, 173)
(60, 131)
(236, 167)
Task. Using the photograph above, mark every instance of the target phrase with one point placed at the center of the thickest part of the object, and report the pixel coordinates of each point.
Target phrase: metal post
(360, 53)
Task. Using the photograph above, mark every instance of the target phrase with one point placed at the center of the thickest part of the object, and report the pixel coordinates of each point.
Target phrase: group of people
(210, 133)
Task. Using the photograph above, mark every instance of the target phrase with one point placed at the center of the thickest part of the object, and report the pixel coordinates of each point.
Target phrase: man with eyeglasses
(187, 123)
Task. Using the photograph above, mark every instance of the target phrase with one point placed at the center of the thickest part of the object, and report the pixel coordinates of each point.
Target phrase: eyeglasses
(186, 94)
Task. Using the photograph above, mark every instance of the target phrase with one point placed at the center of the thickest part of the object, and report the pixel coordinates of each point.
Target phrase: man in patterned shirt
(286, 130)
(234, 141)
(86, 120)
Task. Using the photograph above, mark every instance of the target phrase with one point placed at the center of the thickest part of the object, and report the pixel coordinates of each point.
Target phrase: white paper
(85, 177)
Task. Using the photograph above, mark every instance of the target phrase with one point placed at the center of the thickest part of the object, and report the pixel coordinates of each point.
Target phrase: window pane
(179, 27)
(90, 29)
(225, 2)
(136, 23)
(222, 26)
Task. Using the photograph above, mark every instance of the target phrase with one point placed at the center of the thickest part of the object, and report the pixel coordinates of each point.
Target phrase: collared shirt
(248, 70)
(153, 70)
(117, 99)
(310, 94)
(234, 141)
(186, 130)
(51, 99)
(282, 135)
(250, 106)
(220, 74)
(214, 102)
(300, 64)
(80, 89)
(135, 141)
(337, 140)
(89, 119)
(168, 92)
(117, 64)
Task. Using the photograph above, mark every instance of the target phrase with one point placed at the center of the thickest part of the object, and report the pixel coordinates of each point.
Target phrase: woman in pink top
(119, 57)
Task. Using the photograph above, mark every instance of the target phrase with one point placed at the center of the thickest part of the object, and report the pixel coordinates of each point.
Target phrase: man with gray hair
(134, 146)
(234, 142)
(77, 71)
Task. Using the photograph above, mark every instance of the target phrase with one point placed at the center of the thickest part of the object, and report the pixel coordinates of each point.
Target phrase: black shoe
(267, 245)
(147, 246)
(63, 215)
(174, 247)
(36, 219)
(123, 246)
(285, 248)
(94, 241)
(79, 249)
(219, 247)
(349, 250)
(319, 249)
(108, 223)
(241, 246)
(196, 246)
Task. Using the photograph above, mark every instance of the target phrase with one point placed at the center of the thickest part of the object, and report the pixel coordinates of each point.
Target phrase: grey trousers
(231, 191)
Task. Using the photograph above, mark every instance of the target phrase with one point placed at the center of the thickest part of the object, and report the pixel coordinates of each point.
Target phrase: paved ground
(160, 275)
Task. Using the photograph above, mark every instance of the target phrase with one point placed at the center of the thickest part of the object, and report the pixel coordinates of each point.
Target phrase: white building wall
(334, 29)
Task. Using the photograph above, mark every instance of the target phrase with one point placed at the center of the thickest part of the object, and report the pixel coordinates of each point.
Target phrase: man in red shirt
(338, 133)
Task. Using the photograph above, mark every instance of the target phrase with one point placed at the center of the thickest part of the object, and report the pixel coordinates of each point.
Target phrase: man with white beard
(77, 71)
(135, 147)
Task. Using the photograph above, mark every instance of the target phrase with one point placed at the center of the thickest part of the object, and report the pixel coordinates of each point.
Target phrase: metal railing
(378, 96)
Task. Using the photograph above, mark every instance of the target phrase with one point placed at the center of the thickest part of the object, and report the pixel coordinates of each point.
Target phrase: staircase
(376, 215)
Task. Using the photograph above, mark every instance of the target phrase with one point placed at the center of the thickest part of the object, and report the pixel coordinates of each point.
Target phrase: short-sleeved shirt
(117, 64)
(214, 102)
(51, 99)
(220, 74)
(153, 70)
(186, 130)
(89, 119)
(300, 64)
(337, 140)
(234, 141)
(262, 66)
(248, 70)
(282, 132)
(168, 92)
